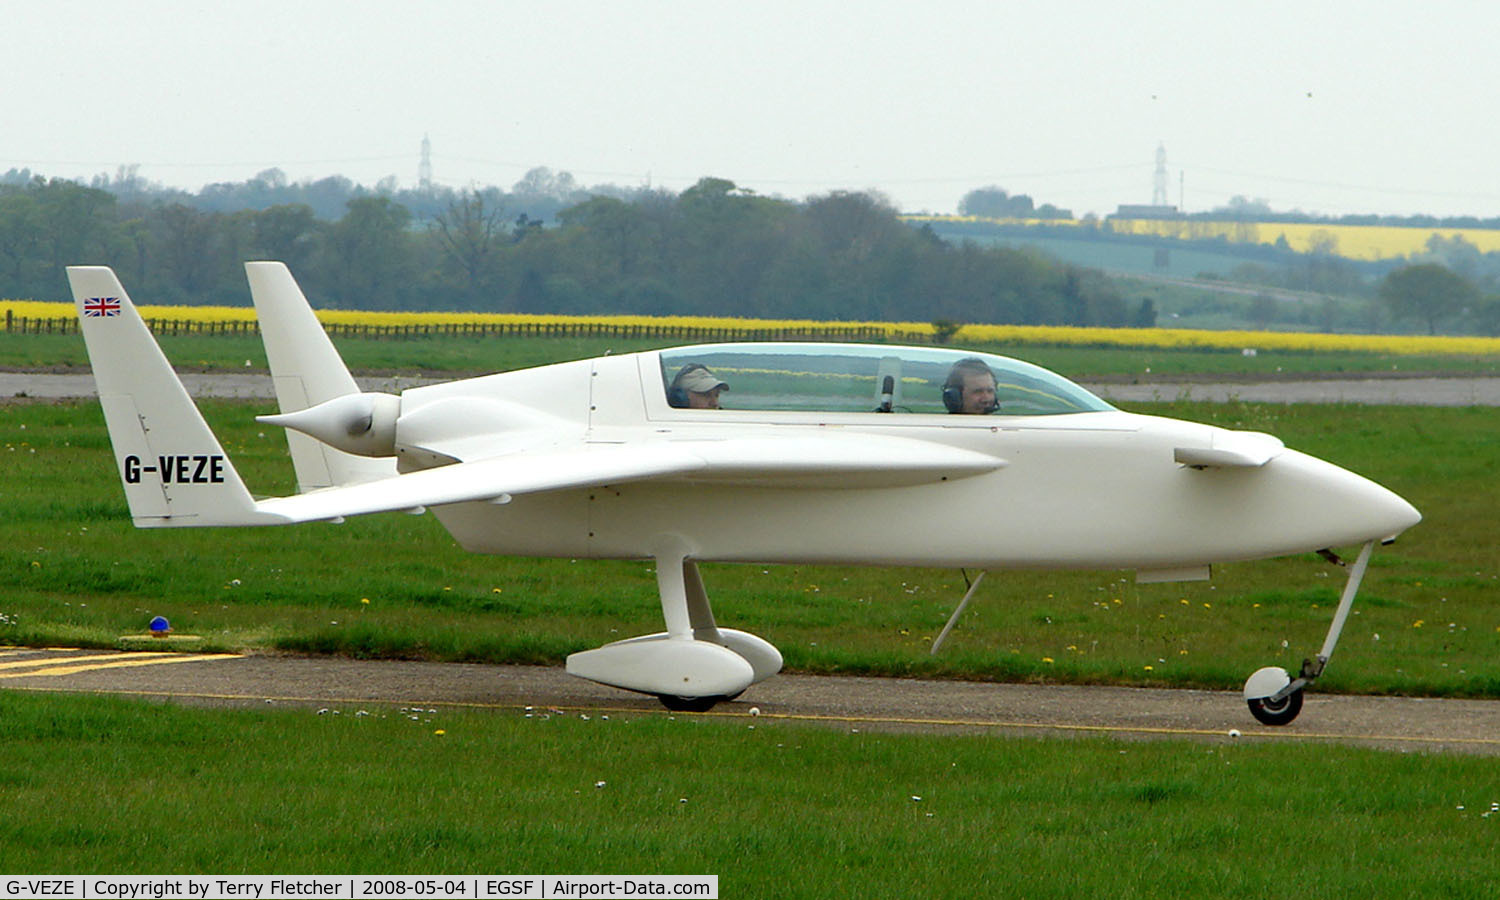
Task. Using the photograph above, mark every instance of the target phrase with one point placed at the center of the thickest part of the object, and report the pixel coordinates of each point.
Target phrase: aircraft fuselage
(1098, 489)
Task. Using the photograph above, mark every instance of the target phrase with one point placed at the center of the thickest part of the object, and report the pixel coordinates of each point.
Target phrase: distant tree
(1328, 314)
(74, 220)
(1456, 253)
(1101, 303)
(1487, 315)
(943, 330)
(852, 224)
(471, 236)
(285, 233)
(995, 202)
(329, 196)
(135, 239)
(368, 255)
(1075, 308)
(722, 244)
(127, 181)
(1145, 315)
(20, 236)
(531, 293)
(186, 252)
(524, 227)
(1323, 242)
(543, 182)
(1428, 292)
(616, 233)
(543, 193)
(1242, 207)
(1263, 310)
(270, 179)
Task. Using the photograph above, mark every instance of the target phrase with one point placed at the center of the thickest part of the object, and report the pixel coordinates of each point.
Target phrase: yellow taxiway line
(72, 665)
(63, 660)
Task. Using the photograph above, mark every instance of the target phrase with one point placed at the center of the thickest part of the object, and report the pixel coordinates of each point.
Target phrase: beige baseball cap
(701, 381)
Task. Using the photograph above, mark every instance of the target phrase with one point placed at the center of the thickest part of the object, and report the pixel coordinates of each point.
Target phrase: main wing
(865, 461)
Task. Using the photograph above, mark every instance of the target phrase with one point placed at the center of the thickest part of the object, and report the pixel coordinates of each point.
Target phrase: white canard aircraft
(821, 453)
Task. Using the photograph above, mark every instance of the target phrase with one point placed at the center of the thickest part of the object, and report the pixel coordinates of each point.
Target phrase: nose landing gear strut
(1274, 697)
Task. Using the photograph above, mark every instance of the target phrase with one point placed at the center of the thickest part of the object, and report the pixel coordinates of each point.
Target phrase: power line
(207, 165)
(846, 179)
(1415, 192)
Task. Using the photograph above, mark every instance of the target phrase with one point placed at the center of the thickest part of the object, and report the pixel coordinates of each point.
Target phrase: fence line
(692, 333)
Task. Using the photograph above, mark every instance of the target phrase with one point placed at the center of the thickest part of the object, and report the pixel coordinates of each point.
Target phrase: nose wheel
(1273, 696)
(1269, 711)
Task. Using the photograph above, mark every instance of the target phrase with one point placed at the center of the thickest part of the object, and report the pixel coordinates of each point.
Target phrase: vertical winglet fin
(173, 469)
(306, 370)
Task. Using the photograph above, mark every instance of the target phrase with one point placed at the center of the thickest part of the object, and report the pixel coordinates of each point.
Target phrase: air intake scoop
(1231, 449)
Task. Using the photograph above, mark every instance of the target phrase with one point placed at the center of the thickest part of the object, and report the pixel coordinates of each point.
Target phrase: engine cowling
(363, 424)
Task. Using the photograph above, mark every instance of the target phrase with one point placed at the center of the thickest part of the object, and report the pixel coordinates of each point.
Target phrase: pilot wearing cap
(695, 387)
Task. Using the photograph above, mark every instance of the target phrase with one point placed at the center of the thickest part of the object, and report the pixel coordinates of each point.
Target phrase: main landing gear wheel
(690, 704)
(1276, 712)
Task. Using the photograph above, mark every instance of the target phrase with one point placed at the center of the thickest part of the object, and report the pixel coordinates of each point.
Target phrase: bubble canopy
(868, 378)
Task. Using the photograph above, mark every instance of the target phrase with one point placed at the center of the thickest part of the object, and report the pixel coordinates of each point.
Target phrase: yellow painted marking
(136, 659)
(64, 660)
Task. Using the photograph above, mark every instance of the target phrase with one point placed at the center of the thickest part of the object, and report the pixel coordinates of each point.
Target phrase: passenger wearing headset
(695, 387)
(970, 388)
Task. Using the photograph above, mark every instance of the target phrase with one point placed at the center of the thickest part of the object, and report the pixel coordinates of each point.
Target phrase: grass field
(73, 570)
(429, 355)
(778, 809)
(773, 809)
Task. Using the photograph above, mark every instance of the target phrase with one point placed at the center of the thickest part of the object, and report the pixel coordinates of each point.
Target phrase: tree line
(1450, 285)
(1245, 209)
(713, 249)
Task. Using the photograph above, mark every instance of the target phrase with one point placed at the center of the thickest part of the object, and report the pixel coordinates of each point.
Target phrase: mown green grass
(774, 809)
(106, 785)
(74, 571)
(475, 355)
(438, 354)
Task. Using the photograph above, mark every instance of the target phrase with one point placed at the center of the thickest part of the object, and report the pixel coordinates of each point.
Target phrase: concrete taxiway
(1395, 723)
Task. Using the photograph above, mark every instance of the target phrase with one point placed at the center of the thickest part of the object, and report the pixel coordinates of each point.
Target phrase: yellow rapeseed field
(1184, 338)
(52, 310)
(1363, 242)
(1050, 335)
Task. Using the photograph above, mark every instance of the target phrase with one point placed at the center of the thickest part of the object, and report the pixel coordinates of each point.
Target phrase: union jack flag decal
(101, 306)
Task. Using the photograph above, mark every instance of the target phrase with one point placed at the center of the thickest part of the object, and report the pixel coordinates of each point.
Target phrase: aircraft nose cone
(1349, 508)
(1401, 514)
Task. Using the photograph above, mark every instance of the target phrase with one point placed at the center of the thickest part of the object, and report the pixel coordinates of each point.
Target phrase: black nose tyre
(1276, 712)
(690, 704)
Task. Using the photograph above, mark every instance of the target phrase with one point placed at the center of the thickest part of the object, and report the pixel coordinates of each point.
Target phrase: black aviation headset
(953, 388)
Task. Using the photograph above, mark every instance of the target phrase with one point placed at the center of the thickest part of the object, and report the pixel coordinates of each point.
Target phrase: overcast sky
(1331, 107)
